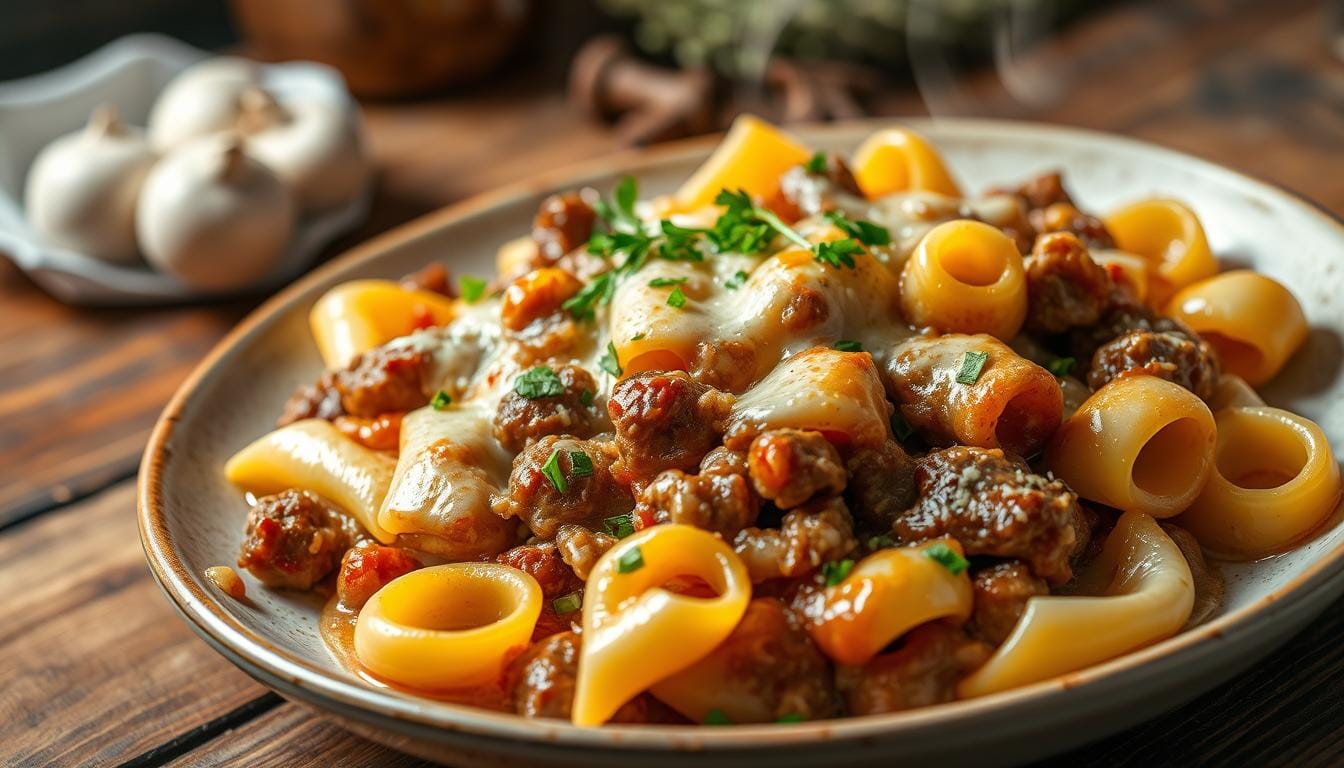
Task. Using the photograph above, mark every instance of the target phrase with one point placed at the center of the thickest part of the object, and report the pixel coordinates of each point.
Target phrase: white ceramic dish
(130, 73)
(191, 518)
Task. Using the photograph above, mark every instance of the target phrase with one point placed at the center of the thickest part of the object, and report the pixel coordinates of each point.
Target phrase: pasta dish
(812, 437)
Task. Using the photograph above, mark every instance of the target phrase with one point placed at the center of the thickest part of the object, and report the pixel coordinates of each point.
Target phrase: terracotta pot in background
(387, 47)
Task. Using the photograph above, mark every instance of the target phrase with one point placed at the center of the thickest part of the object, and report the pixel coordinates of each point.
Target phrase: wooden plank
(98, 667)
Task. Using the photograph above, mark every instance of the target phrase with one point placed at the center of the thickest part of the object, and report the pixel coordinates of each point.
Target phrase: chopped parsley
(637, 336)
(619, 526)
(676, 299)
(537, 382)
(900, 426)
(837, 253)
(792, 717)
(580, 464)
(971, 366)
(630, 561)
(716, 716)
(440, 400)
(738, 280)
(835, 572)
(620, 211)
(816, 164)
(586, 396)
(609, 362)
(664, 282)
(865, 232)
(581, 305)
(471, 288)
(552, 471)
(567, 603)
(1061, 366)
(947, 557)
(881, 541)
(847, 345)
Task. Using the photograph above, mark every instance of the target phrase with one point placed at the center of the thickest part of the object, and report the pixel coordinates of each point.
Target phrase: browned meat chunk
(924, 670)
(1001, 594)
(367, 567)
(666, 421)
(541, 682)
(544, 563)
(432, 277)
(563, 223)
(1063, 217)
(806, 191)
(294, 538)
(1174, 356)
(1121, 317)
(547, 401)
(773, 669)
(1065, 287)
(995, 506)
(581, 548)
(790, 466)
(718, 499)
(391, 378)
(582, 493)
(321, 400)
(881, 485)
(816, 533)
(1044, 191)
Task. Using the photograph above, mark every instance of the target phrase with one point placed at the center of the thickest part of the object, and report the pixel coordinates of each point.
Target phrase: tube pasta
(1139, 444)
(636, 632)
(1169, 236)
(886, 595)
(826, 390)
(1275, 479)
(447, 626)
(1126, 269)
(1232, 391)
(1139, 589)
(1013, 404)
(357, 316)
(897, 160)
(965, 277)
(751, 157)
(439, 497)
(315, 456)
(1253, 322)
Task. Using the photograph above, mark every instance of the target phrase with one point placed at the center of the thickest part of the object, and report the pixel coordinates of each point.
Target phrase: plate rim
(204, 614)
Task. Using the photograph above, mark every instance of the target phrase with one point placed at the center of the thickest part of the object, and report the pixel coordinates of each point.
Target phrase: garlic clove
(201, 100)
(315, 147)
(82, 188)
(212, 216)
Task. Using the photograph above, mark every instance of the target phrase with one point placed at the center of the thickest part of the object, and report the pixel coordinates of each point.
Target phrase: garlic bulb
(315, 147)
(202, 99)
(213, 217)
(82, 188)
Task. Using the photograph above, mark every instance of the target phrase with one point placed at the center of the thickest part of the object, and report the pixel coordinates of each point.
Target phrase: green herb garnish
(676, 299)
(971, 366)
(567, 603)
(440, 400)
(551, 470)
(816, 164)
(738, 280)
(947, 557)
(716, 716)
(865, 232)
(881, 541)
(471, 288)
(835, 572)
(792, 717)
(630, 561)
(586, 396)
(537, 382)
(580, 464)
(637, 336)
(609, 362)
(900, 426)
(619, 526)
(837, 253)
(1061, 366)
(847, 345)
(664, 282)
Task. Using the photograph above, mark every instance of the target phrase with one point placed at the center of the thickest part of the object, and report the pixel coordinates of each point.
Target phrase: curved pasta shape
(1168, 234)
(897, 160)
(637, 632)
(1232, 391)
(887, 594)
(1127, 270)
(751, 157)
(1140, 591)
(1139, 444)
(357, 316)
(1253, 322)
(439, 497)
(447, 626)
(1013, 403)
(1274, 480)
(314, 456)
(965, 277)
(836, 393)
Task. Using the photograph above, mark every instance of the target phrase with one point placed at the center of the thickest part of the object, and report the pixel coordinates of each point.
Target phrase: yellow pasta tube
(1253, 322)
(636, 631)
(312, 455)
(1274, 480)
(357, 316)
(965, 277)
(1232, 391)
(751, 157)
(1141, 591)
(886, 595)
(1127, 270)
(1139, 444)
(447, 626)
(1009, 402)
(1168, 234)
(899, 160)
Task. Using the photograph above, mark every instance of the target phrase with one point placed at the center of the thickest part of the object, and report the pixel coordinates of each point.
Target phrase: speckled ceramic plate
(191, 518)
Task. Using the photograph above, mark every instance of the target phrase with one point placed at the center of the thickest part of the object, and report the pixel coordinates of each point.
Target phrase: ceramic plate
(191, 518)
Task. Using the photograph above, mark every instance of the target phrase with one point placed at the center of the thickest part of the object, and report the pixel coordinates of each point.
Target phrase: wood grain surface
(95, 669)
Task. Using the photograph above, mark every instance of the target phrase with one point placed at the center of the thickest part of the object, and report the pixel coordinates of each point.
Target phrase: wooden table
(96, 669)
